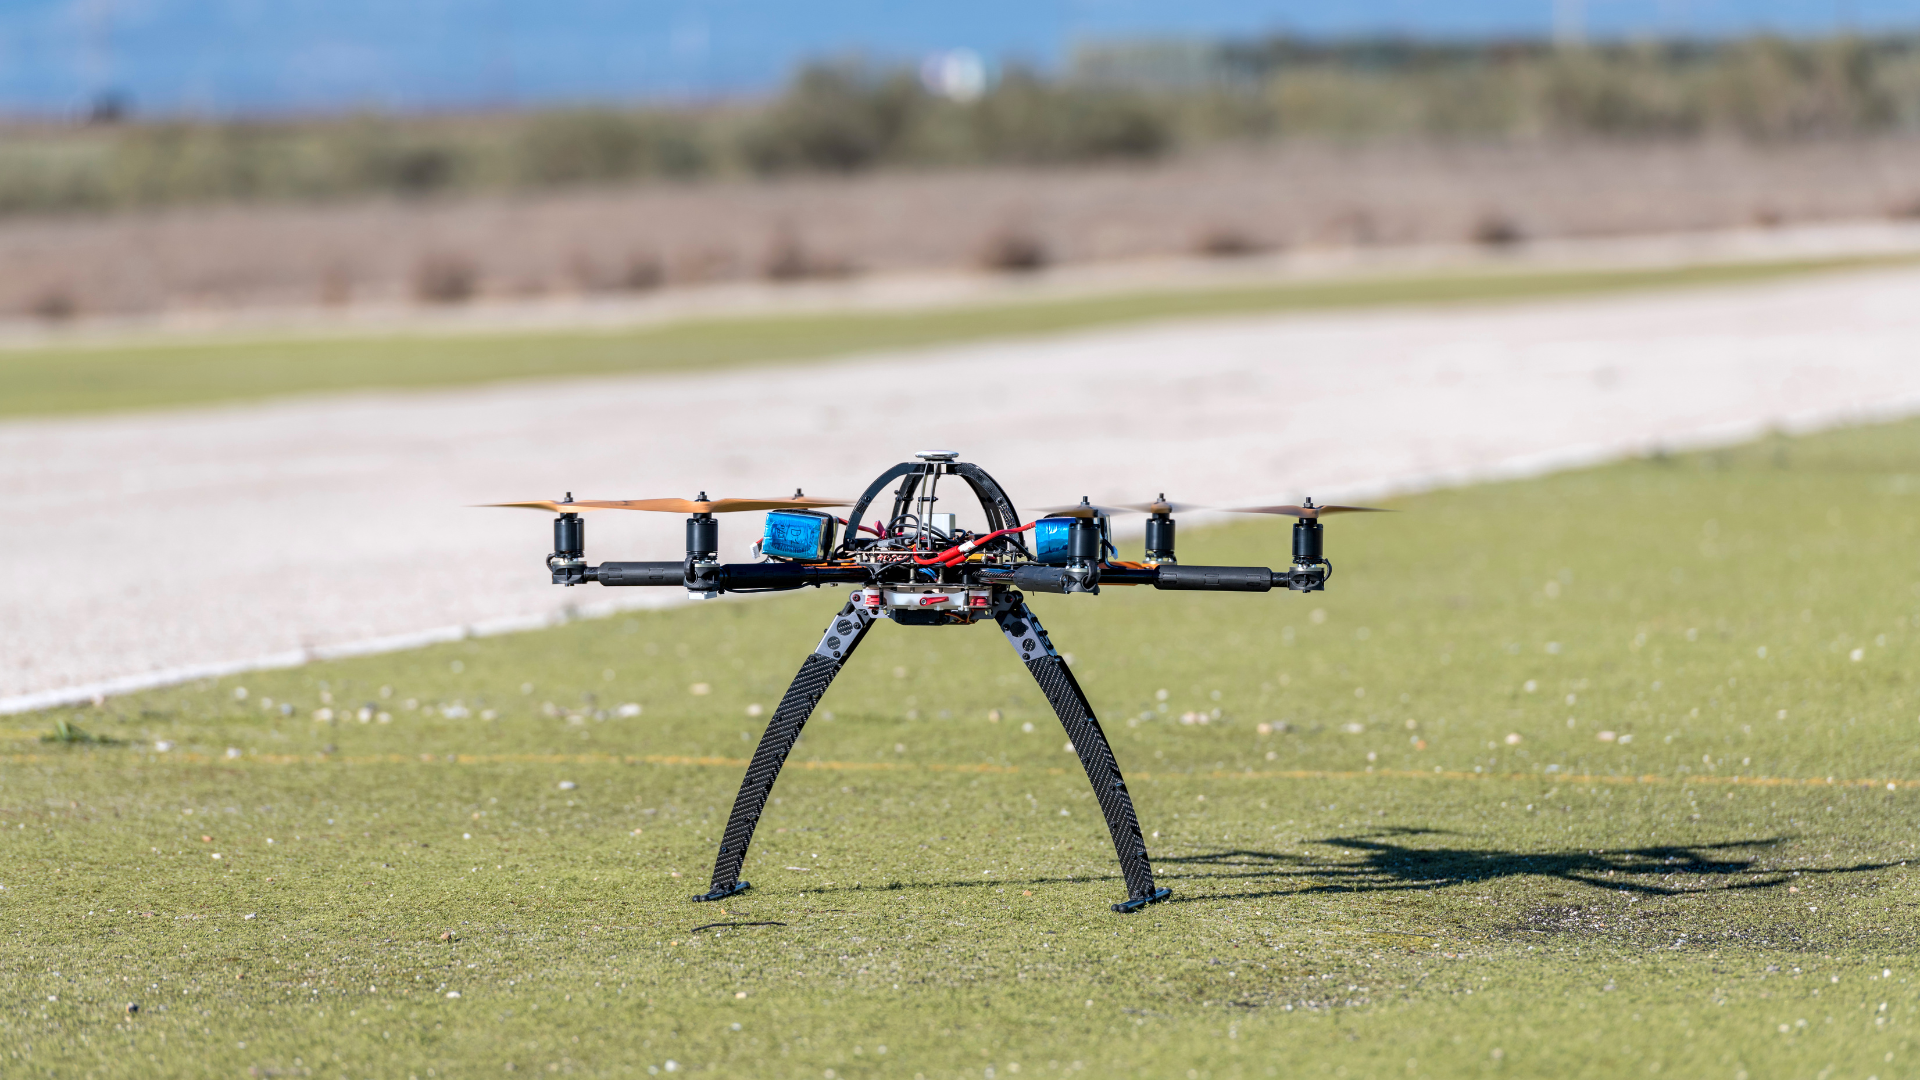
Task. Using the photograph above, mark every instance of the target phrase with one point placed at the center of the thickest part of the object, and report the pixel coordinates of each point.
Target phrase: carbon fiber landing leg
(783, 731)
(1083, 730)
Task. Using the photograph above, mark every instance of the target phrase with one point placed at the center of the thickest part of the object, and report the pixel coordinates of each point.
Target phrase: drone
(917, 567)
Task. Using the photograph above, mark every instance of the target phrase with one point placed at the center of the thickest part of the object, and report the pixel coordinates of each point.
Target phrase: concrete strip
(154, 548)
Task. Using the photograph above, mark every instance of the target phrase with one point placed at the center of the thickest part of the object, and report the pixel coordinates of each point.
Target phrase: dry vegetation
(1221, 204)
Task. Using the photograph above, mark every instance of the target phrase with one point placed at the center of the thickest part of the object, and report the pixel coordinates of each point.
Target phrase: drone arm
(769, 576)
(1183, 577)
(1187, 577)
(640, 573)
(730, 577)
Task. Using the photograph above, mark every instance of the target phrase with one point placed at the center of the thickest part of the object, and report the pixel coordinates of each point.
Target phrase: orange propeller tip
(714, 506)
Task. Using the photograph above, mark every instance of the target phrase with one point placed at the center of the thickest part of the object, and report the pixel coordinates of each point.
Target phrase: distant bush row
(850, 118)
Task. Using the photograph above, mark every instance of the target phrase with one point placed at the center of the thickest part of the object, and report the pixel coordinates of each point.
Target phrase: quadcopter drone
(917, 567)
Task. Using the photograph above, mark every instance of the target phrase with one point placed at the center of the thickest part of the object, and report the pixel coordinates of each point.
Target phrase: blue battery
(1050, 540)
(799, 535)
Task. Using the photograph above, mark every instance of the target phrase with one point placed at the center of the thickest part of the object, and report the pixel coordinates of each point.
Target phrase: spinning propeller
(1162, 506)
(1083, 508)
(1308, 510)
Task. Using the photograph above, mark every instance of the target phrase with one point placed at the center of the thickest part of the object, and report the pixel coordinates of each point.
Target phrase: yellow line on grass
(902, 766)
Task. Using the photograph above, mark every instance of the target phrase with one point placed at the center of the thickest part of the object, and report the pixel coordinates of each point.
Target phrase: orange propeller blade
(713, 506)
(548, 505)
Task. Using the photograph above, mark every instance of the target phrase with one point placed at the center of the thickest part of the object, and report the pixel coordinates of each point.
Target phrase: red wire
(947, 557)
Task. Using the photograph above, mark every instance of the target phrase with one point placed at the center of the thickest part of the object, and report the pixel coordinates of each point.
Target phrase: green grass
(1556, 906)
(85, 378)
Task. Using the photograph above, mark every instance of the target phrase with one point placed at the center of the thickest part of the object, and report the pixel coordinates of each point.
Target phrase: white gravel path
(148, 548)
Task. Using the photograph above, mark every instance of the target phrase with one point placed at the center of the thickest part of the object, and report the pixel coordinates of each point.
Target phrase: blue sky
(245, 56)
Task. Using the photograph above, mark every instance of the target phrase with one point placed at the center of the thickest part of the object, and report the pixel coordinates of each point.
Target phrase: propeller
(1084, 508)
(1308, 510)
(702, 505)
(1162, 506)
(551, 507)
(1081, 509)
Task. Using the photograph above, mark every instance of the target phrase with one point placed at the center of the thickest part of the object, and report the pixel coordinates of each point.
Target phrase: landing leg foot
(1139, 902)
(735, 889)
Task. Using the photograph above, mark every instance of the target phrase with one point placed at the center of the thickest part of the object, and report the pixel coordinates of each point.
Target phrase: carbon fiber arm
(816, 672)
(1029, 640)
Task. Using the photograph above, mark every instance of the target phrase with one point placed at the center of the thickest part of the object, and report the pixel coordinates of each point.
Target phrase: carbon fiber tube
(1040, 578)
(643, 573)
(1217, 578)
(782, 575)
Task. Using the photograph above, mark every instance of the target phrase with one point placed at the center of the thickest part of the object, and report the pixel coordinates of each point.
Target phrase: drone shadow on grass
(1385, 864)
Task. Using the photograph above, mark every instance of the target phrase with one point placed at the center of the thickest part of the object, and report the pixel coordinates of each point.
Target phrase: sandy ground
(149, 547)
(218, 261)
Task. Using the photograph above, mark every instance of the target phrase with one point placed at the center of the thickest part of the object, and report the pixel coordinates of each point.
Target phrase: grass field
(88, 378)
(1437, 863)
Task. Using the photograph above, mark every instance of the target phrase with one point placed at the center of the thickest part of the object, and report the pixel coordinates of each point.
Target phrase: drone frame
(984, 581)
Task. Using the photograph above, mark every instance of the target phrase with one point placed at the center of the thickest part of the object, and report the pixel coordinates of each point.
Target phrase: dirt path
(144, 547)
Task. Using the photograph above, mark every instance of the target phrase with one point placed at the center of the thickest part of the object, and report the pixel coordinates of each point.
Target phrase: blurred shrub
(842, 118)
(601, 145)
(1014, 251)
(1025, 119)
(53, 304)
(1228, 243)
(443, 278)
(1497, 230)
(835, 119)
